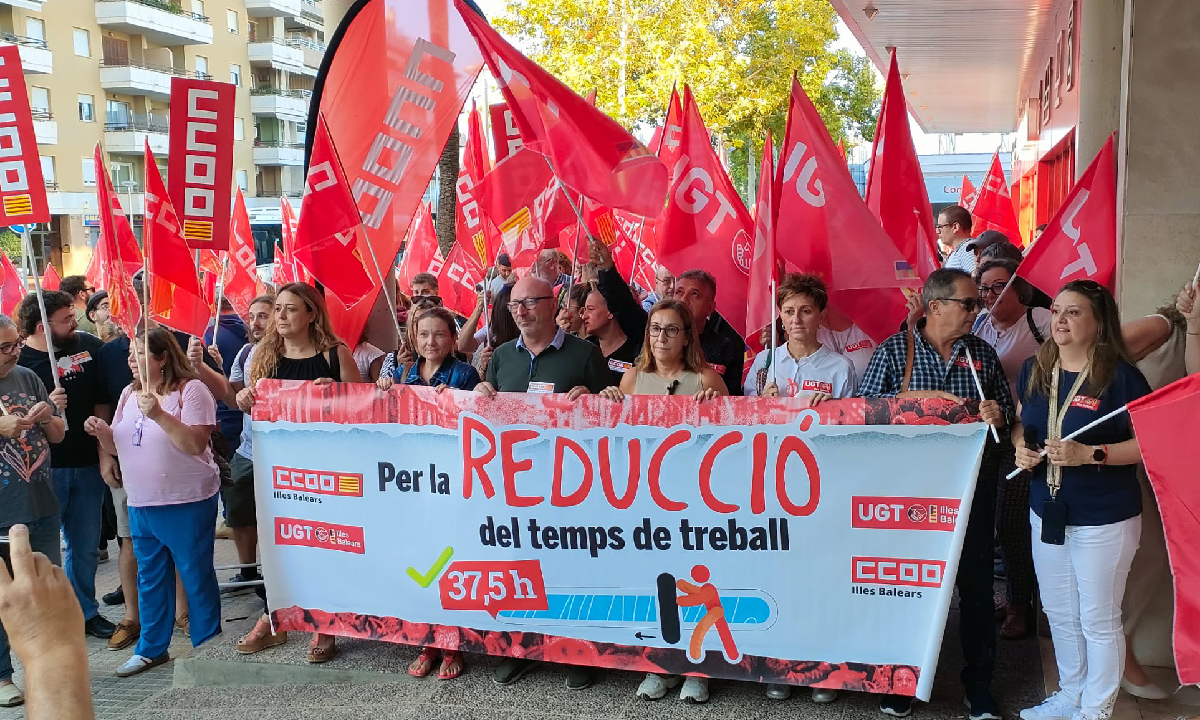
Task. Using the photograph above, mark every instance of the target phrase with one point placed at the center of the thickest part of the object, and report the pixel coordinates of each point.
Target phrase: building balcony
(161, 23)
(24, 4)
(128, 135)
(313, 51)
(36, 58)
(133, 77)
(312, 11)
(45, 128)
(273, 8)
(279, 55)
(280, 103)
(274, 153)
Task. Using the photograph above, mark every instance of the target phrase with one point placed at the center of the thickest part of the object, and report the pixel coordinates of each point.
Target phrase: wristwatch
(1100, 454)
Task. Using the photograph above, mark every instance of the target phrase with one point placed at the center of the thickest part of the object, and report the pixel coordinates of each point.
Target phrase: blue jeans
(80, 492)
(43, 538)
(167, 538)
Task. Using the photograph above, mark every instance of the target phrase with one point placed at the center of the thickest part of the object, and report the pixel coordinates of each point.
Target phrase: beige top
(1165, 365)
(686, 383)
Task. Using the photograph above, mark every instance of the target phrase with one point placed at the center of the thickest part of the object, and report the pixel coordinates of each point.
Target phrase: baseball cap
(985, 239)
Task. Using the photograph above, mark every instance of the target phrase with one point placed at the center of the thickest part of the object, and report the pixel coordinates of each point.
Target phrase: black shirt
(622, 359)
(82, 376)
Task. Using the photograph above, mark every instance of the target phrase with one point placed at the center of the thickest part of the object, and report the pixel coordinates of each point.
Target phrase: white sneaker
(1055, 707)
(10, 695)
(655, 687)
(1149, 691)
(694, 690)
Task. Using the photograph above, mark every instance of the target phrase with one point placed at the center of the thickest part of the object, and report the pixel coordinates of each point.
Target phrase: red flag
(967, 194)
(176, 298)
(993, 208)
(421, 252)
(241, 275)
(1080, 241)
(825, 227)
(522, 199)
(50, 278)
(457, 280)
(896, 185)
(506, 137)
(591, 153)
(12, 288)
(1171, 466)
(760, 309)
(842, 147)
(292, 270)
(471, 226)
(22, 192)
(668, 148)
(705, 224)
(644, 268)
(117, 256)
(201, 152)
(329, 239)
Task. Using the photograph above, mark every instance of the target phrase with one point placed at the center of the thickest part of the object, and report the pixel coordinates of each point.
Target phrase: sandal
(452, 665)
(318, 654)
(423, 665)
(260, 638)
(181, 623)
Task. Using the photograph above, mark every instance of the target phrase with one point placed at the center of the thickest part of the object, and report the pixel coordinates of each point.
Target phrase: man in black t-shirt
(74, 462)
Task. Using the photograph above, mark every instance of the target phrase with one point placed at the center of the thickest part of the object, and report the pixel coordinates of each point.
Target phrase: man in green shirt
(80, 290)
(543, 359)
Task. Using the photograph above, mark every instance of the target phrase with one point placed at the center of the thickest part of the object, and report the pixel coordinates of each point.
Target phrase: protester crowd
(150, 436)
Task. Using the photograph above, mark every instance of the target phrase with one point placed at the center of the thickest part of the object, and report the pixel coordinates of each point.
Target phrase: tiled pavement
(541, 695)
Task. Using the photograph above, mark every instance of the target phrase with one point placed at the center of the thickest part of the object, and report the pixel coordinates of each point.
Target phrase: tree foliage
(737, 55)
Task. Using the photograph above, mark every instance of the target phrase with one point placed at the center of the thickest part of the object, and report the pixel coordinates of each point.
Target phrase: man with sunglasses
(543, 359)
(80, 290)
(29, 424)
(934, 361)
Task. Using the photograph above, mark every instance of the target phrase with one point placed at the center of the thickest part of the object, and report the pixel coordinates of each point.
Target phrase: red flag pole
(774, 339)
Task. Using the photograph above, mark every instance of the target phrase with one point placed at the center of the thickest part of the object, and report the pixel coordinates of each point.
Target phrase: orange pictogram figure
(706, 594)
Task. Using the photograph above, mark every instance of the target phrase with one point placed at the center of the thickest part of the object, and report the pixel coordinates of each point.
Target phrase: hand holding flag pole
(1077, 433)
(27, 248)
(979, 387)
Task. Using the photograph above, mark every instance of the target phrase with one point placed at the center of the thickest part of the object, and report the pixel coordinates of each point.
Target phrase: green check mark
(427, 579)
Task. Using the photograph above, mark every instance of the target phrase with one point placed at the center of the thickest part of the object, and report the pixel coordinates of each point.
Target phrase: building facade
(99, 71)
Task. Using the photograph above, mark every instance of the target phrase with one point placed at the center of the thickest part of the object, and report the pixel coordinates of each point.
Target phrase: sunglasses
(968, 304)
(137, 429)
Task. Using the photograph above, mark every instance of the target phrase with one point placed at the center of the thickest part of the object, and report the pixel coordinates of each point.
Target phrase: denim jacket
(453, 373)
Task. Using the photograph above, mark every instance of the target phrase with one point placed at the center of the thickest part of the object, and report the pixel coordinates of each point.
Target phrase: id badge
(1054, 522)
(541, 388)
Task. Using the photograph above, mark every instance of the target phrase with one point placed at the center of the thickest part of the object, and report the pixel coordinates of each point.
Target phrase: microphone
(672, 387)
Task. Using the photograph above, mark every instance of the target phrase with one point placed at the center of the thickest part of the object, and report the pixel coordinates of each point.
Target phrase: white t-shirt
(852, 344)
(824, 371)
(1016, 343)
(496, 284)
(962, 258)
(364, 355)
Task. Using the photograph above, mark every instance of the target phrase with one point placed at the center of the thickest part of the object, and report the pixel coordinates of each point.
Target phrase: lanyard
(1056, 417)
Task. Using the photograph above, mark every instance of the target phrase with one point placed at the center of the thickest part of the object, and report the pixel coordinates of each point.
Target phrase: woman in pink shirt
(161, 435)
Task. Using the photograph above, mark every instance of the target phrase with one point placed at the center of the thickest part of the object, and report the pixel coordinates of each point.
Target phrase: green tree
(738, 56)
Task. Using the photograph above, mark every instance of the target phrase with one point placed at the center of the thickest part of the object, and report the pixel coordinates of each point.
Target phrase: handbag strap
(910, 353)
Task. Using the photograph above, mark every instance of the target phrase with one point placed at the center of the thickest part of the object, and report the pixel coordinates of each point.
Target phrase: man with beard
(74, 462)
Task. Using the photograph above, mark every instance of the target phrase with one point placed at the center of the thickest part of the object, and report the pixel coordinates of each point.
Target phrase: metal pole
(27, 248)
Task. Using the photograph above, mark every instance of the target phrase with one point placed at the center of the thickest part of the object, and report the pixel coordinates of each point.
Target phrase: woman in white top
(803, 367)
(841, 335)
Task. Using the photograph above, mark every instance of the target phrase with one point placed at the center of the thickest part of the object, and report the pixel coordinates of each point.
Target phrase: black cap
(985, 239)
(94, 302)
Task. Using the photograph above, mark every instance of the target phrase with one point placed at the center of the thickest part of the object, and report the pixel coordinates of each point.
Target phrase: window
(35, 28)
(239, 129)
(39, 99)
(231, 21)
(118, 113)
(122, 177)
(83, 47)
(48, 169)
(201, 65)
(235, 75)
(89, 171)
(87, 108)
(198, 7)
(241, 179)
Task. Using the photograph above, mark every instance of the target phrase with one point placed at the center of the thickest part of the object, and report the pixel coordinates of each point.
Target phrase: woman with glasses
(500, 329)
(160, 435)
(1016, 331)
(670, 364)
(299, 344)
(1084, 495)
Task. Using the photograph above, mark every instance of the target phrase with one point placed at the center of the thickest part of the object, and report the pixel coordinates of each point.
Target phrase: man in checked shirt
(933, 363)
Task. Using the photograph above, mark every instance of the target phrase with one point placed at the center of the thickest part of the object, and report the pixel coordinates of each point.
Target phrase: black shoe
(116, 597)
(99, 627)
(512, 670)
(580, 677)
(242, 576)
(896, 705)
(980, 703)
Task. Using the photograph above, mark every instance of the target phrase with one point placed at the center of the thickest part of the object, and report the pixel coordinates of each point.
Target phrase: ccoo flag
(1080, 241)
(590, 152)
(240, 283)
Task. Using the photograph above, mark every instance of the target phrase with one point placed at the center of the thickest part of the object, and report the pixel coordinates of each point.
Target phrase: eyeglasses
(12, 347)
(137, 429)
(669, 330)
(969, 304)
(90, 289)
(430, 300)
(995, 288)
(529, 303)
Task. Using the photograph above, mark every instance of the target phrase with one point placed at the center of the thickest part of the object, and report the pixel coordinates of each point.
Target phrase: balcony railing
(23, 40)
(305, 43)
(311, 9)
(278, 144)
(136, 123)
(281, 92)
(42, 114)
(165, 69)
(51, 186)
(166, 7)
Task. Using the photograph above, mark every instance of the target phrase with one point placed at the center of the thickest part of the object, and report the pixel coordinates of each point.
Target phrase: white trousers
(1082, 583)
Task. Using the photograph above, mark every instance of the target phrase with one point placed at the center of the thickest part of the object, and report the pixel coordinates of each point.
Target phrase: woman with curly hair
(299, 344)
